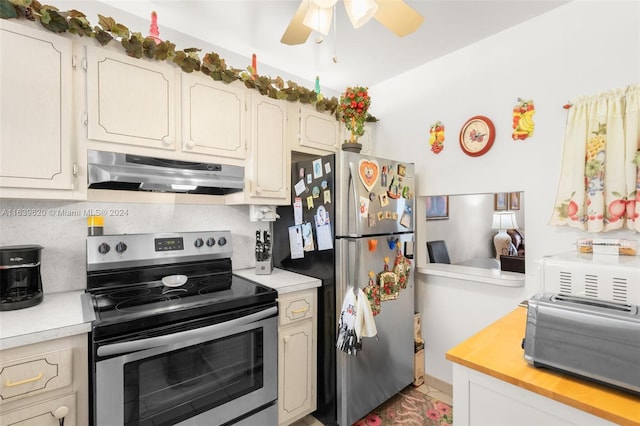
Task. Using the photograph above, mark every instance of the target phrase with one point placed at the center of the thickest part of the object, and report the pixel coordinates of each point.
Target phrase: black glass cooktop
(131, 301)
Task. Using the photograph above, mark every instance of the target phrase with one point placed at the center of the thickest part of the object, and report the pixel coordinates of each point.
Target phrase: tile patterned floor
(428, 390)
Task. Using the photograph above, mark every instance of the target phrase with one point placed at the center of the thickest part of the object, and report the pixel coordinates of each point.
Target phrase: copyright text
(61, 212)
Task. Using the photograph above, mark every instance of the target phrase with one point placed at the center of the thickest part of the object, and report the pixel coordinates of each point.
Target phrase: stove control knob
(211, 242)
(198, 243)
(222, 241)
(104, 248)
(121, 247)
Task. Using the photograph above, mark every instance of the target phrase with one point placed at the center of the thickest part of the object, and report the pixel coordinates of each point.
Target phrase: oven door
(216, 374)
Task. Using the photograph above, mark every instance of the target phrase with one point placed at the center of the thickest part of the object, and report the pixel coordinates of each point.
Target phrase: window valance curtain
(599, 187)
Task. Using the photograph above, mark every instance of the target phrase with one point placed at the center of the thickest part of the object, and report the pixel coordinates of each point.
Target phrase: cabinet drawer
(24, 377)
(42, 413)
(296, 306)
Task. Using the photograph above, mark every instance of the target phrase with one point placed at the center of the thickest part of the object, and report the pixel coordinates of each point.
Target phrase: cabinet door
(35, 106)
(42, 414)
(316, 132)
(268, 168)
(295, 355)
(213, 117)
(365, 140)
(130, 101)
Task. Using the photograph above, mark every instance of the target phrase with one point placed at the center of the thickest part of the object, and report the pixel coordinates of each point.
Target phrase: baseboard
(441, 385)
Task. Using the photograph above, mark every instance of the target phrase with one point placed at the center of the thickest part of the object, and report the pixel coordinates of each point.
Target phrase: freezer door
(373, 195)
(384, 366)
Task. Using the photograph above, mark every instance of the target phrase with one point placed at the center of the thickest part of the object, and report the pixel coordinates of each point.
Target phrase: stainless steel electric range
(177, 338)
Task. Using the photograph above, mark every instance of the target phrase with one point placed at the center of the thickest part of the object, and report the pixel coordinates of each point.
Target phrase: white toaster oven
(598, 276)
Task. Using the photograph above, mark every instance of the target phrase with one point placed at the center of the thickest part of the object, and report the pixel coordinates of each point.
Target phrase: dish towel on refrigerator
(356, 322)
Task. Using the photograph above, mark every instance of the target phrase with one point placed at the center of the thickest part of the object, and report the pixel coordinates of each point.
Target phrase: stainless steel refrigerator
(349, 212)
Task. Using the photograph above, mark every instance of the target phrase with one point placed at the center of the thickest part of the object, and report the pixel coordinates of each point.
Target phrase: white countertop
(280, 280)
(58, 315)
(471, 273)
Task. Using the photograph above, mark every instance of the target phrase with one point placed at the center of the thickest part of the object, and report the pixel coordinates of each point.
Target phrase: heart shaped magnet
(369, 172)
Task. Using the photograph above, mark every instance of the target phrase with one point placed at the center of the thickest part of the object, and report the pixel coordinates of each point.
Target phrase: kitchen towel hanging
(356, 322)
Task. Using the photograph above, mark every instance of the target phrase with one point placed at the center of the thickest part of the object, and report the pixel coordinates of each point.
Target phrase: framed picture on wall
(500, 201)
(514, 201)
(438, 207)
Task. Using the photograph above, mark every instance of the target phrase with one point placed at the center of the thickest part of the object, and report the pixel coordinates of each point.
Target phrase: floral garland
(137, 46)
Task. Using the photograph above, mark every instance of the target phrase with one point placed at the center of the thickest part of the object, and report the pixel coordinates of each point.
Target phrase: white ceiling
(365, 56)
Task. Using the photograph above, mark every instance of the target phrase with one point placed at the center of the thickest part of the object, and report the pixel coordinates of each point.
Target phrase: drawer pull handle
(9, 384)
(61, 412)
(299, 311)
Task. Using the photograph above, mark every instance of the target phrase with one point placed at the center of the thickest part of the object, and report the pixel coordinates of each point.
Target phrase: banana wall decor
(523, 124)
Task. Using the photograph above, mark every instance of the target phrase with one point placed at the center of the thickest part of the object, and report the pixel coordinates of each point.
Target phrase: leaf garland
(138, 46)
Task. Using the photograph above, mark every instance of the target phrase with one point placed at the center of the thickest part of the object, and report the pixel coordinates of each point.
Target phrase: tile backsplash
(61, 228)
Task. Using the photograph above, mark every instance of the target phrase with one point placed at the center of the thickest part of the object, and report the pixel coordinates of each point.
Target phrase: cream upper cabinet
(213, 116)
(311, 131)
(297, 355)
(267, 169)
(365, 140)
(36, 143)
(130, 101)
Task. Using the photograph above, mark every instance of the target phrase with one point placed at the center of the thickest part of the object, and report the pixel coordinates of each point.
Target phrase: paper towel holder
(262, 213)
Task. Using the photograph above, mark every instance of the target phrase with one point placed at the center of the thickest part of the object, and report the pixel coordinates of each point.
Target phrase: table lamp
(502, 241)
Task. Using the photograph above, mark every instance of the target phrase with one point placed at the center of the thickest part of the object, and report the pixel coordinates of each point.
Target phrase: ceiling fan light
(318, 18)
(360, 11)
(325, 3)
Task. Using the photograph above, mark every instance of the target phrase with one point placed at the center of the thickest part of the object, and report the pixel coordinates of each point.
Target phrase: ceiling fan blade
(297, 32)
(398, 17)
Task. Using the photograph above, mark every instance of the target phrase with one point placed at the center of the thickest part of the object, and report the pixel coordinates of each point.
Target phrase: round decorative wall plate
(477, 135)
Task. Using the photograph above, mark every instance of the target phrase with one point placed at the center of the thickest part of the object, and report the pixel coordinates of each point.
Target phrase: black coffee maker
(20, 279)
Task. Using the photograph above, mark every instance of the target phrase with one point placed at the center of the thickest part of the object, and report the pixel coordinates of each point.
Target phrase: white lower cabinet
(479, 399)
(45, 382)
(297, 345)
(44, 413)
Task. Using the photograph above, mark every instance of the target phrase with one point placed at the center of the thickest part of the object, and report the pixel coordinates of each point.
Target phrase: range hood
(112, 170)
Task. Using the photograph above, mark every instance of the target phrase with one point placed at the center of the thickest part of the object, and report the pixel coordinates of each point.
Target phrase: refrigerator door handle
(356, 263)
(352, 181)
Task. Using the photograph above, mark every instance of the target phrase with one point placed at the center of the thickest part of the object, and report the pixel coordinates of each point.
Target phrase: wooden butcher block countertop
(496, 351)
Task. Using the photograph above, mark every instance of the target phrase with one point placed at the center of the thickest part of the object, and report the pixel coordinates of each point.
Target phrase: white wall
(584, 47)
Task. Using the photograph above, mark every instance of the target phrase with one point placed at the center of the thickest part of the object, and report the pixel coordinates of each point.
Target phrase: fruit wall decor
(523, 124)
(436, 137)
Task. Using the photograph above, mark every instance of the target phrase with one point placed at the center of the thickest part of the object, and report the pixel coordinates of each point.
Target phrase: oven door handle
(169, 339)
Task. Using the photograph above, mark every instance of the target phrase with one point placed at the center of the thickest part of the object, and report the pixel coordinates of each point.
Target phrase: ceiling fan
(315, 15)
